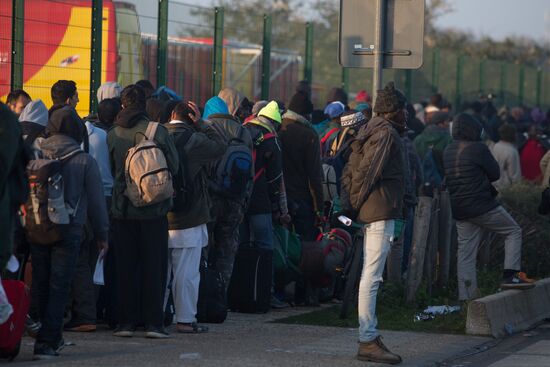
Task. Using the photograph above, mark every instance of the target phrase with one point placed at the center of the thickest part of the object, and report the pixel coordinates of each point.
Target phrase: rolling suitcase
(212, 303)
(12, 330)
(250, 286)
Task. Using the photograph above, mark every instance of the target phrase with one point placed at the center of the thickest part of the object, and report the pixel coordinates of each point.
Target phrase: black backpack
(46, 208)
(212, 302)
(183, 182)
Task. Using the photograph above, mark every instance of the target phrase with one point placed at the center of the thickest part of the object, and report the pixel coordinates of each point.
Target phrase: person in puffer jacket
(470, 169)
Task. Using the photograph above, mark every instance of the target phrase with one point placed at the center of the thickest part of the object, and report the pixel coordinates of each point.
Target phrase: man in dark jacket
(469, 170)
(227, 212)
(54, 266)
(198, 146)
(140, 233)
(436, 136)
(372, 192)
(302, 166)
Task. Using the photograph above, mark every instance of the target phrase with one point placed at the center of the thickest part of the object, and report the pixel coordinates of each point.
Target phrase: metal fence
(197, 50)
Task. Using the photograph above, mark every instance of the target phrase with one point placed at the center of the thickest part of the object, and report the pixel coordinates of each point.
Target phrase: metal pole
(162, 42)
(458, 91)
(408, 84)
(435, 70)
(345, 79)
(521, 84)
(503, 83)
(217, 54)
(378, 48)
(17, 38)
(95, 52)
(266, 56)
(539, 87)
(481, 76)
(308, 62)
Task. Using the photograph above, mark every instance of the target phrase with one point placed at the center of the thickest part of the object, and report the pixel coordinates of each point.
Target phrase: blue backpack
(233, 173)
(432, 176)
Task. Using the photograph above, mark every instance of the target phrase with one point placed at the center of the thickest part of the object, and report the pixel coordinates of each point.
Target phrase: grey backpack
(148, 179)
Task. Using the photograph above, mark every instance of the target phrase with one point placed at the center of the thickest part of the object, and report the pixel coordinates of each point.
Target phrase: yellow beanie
(271, 111)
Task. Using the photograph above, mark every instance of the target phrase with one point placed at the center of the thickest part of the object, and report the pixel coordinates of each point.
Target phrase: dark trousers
(303, 218)
(225, 236)
(141, 255)
(83, 290)
(53, 271)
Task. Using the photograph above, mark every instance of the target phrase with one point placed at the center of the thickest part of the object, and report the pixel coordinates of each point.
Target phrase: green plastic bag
(287, 253)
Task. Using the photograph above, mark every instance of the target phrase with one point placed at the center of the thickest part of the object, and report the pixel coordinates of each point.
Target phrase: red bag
(12, 330)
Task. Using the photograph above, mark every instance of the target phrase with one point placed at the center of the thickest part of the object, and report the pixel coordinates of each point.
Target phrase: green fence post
(503, 82)
(482, 75)
(308, 62)
(539, 87)
(345, 79)
(17, 38)
(95, 52)
(266, 56)
(435, 70)
(408, 84)
(217, 54)
(521, 89)
(458, 91)
(162, 42)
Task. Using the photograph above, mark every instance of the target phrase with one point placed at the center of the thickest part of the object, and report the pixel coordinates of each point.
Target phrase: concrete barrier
(509, 311)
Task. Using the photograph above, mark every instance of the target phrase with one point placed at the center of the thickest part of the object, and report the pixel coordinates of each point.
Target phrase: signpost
(381, 34)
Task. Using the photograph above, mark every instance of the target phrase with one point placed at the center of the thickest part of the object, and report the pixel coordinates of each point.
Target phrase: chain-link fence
(197, 50)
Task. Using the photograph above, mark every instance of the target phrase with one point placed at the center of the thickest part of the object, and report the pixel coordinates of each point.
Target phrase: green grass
(394, 314)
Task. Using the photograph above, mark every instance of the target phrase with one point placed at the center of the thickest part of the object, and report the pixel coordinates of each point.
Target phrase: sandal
(191, 328)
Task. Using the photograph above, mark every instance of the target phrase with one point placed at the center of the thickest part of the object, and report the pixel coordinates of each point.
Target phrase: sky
(497, 19)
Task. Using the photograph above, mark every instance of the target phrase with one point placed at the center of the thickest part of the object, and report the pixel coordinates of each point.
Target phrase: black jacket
(469, 170)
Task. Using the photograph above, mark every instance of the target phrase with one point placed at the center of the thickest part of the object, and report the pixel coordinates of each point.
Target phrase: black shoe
(43, 351)
(156, 334)
(124, 331)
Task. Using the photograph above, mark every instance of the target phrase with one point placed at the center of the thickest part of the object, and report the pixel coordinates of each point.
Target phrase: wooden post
(445, 233)
(430, 265)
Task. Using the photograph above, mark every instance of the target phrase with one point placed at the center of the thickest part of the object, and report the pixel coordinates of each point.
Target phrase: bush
(523, 200)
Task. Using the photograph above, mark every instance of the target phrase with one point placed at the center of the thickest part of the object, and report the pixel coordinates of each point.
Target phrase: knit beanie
(353, 119)
(335, 109)
(300, 104)
(271, 111)
(389, 99)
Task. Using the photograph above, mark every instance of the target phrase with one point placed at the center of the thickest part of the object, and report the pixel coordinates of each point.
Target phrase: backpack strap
(329, 134)
(258, 141)
(151, 130)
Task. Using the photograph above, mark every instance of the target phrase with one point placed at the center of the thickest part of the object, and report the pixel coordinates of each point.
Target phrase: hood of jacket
(65, 121)
(433, 135)
(466, 128)
(372, 127)
(232, 99)
(215, 105)
(130, 116)
(36, 112)
(291, 115)
(58, 146)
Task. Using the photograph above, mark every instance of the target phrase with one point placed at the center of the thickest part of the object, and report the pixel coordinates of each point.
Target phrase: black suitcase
(250, 286)
(212, 304)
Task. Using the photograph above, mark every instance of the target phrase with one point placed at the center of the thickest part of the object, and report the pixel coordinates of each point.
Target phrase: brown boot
(376, 351)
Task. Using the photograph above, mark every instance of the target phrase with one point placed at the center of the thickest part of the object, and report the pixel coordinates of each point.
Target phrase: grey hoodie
(82, 180)
(36, 112)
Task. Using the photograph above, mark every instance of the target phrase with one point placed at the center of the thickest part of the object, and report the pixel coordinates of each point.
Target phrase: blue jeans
(379, 237)
(258, 228)
(53, 271)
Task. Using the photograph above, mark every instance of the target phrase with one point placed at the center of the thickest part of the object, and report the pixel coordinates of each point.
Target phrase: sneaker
(43, 351)
(516, 282)
(32, 327)
(157, 334)
(277, 303)
(124, 331)
(79, 327)
(376, 351)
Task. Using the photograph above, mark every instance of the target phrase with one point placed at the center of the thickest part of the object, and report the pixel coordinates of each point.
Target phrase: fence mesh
(5, 48)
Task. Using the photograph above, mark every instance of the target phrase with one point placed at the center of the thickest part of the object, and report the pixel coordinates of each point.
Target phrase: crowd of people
(154, 186)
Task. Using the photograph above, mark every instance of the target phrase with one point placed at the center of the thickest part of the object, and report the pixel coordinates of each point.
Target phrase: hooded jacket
(82, 180)
(373, 179)
(129, 128)
(232, 99)
(34, 119)
(436, 138)
(301, 159)
(469, 170)
(203, 147)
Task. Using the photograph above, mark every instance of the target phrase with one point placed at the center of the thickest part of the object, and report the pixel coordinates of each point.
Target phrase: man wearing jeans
(372, 193)
(469, 170)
